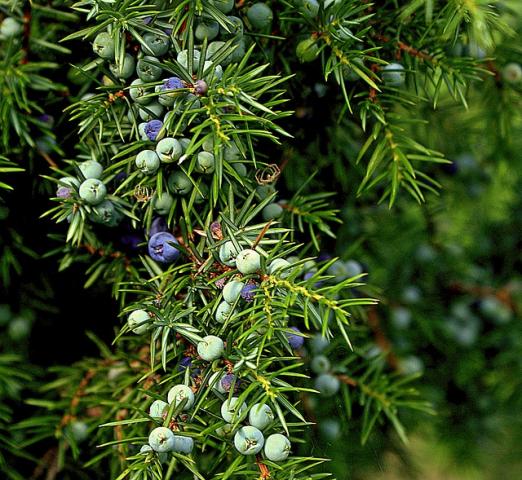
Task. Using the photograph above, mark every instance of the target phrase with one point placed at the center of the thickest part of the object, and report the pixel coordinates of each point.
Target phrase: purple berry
(63, 192)
(172, 83)
(295, 341)
(146, 20)
(131, 241)
(248, 293)
(152, 129)
(161, 248)
(308, 275)
(228, 380)
(186, 362)
(220, 283)
(159, 224)
(200, 87)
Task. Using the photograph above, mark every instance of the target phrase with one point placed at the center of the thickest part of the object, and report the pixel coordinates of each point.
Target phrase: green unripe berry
(179, 183)
(260, 416)
(169, 150)
(211, 348)
(307, 50)
(249, 440)
(103, 46)
(106, 214)
(248, 261)
(277, 447)
(19, 328)
(224, 6)
(226, 430)
(232, 410)
(232, 291)
(180, 393)
(183, 444)
(394, 75)
(149, 69)
(207, 30)
(223, 312)
(138, 321)
(182, 58)
(79, 431)
(91, 169)
(280, 266)
(147, 161)
(272, 211)
(240, 169)
(310, 8)
(234, 28)
(205, 162)
(264, 191)
(137, 92)
(158, 45)
(151, 111)
(10, 27)
(320, 364)
(158, 408)
(260, 15)
(228, 253)
(163, 203)
(161, 439)
(512, 73)
(327, 384)
(231, 153)
(126, 69)
(92, 191)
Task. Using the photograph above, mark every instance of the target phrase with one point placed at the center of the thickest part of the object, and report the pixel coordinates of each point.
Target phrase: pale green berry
(215, 382)
(183, 444)
(180, 393)
(106, 214)
(19, 328)
(239, 52)
(182, 58)
(277, 447)
(330, 429)
(264, 191)
(211, 348)
(327, 384)
(91, 169)
(208, 144)
(147, 161)
(260, 416)
(151, 111)
(249, 440)
(240, 169)
(226, 430)
(179, 183)
(201, 193)
(232, 291)
(260, 15)
(139, 321)
(224, 6)
(232, 409)
(228, 253)
(223, 312)
(161, 439)
(169, 150)
(281, 267)
(205, 162)
(163, 203)
(512, 73)
(272, 211)
(126, 69)
(103, 46)
(248, 261)
(213, 48)
(10, 27)
(157, 44)
(394, 75)
(234, 28)
(158, 408)
(92, 191)
(232, 153)
(320, 364)
(146, 449)
(137, 92)
(79, 431)
(307, 50)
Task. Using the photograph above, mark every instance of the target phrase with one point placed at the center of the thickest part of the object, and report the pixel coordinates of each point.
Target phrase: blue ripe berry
(183, 444)
(224, 6)
(280, 267)
(310, 8)
(228, 253)
(277, 447)
(161, 247)
(179, 183)
(260, 15)
(137, 92)
(211, 348)
(205, 162)
(103, 46)
(158, 45)
(169, 150)
(152, 129)
(170, 90)
(207, 30)
(161, 439)
(260, 416)
(295, 341)
(10, 27)
(394, 75)
(232, 410)
(232, 291)
(249, 440)
(158, 408)
(65, 191)
(139, 321)
(91, 169)
(147, 161)
(307, 50)
(149, 69)
(249, 292)
(158, 225)
(92, 191)
(271, 211)
(327, 384)
(150, 111)
(163, 203)
(180, 393)
(330, 429)
(320, 364)
(126, 69)
(106, 214)
(223, 312)
(248, 261)
(185, 363)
